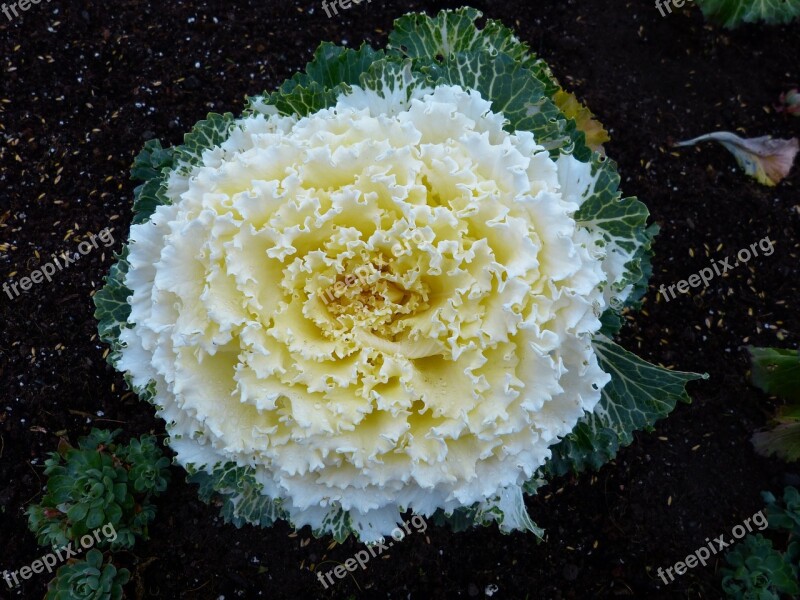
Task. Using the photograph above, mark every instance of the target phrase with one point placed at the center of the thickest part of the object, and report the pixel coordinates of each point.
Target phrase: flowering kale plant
(391, 285)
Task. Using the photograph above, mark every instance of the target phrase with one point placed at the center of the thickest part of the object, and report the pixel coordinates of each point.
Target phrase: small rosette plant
(391, 285)
(756, 568)
(97, 484)
(88, 579)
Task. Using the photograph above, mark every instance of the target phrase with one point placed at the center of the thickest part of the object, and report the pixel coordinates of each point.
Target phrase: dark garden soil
(85, 85)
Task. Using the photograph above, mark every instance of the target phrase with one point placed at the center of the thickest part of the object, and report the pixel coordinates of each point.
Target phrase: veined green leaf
(776, 371)
(111, 305)
(439, 39)
(587, 446)
(513, 91)
(419, 36)
(210, 132)
(151, 161)
(611, 323)
(147, 197)
(732, 13)
(621, 221)
(240, 493)
(638, 395)
(336, 523)
(783, 441)
(507, 510)
(392, 78)
(304, 100)
(330, 73)
(151, 166)
(334, 66)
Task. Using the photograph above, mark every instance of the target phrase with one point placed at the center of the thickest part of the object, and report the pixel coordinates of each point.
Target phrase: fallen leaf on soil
(768, 160)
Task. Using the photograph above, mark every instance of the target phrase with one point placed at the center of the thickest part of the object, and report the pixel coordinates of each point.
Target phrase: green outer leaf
(620, 220)
(507, 510)
(336, 523)
(732, 13)
(419, 36)
(776, 371)
(783, 441)
(439, 39)
(147, 198)
(303, 100)
(461, 519)
(111, 305)
(242, 500)
(392, 77)
(331, 72)
(623, 220)
(638, 395)
(151, 161)
(588, 446)
(151, 166)
(206, 134)
(334, 67)
(640, 268)
(514, 91)
(611, 323)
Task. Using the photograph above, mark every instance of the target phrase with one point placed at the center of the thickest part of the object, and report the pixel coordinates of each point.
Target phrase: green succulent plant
(89, 579)
(148, 465)
(757, 570)
(785, 514)
(100, 483)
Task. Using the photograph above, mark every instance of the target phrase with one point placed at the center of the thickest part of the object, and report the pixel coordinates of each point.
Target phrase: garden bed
(84, 86)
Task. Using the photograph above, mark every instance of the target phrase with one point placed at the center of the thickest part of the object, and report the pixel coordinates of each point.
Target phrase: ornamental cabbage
(389, 286)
